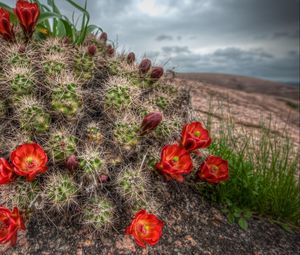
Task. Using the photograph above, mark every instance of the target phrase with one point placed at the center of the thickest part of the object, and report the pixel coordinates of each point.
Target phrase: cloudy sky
(248, 37)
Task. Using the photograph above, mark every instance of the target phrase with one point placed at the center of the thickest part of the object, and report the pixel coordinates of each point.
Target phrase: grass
(264, 175)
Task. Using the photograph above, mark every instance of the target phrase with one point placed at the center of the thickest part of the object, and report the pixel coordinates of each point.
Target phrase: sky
(257, 38)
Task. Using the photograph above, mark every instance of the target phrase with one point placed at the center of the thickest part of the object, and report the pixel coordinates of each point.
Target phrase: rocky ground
(192, 225)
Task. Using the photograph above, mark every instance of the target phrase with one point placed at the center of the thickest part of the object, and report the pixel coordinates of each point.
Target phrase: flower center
(175, 159)
(214, 168)
(197, 133)
(30, 162)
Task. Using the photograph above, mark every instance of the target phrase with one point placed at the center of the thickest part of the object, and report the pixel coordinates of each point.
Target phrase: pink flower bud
(103, 37)
(110, 50)
(150, 122)
(103, 178)
(22, 49)
(66, 40)
(72, 163)
(130, 58)
(156, 73)
(92, 50)
(145, 66)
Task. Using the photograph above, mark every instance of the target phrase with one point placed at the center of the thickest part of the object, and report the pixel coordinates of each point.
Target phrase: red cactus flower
(103, 37)
(145, 66)
(10, 223)
(213, 170)
(150, 122)
(156, 73)
(175, 161)
(92, 50)
(145, 228)
(130, 58)
(29, 160)
(194, 137)
(6, 28)
(6, 171)
(28, 14)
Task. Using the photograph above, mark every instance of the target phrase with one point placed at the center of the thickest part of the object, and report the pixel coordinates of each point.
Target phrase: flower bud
(103, 37)
(66, 40)
(103, 178)
(156, 73)
(110, 50)
(22, 49)
(130, 58)
(92, 50)
(72, 163)
(145, 66)
(150, 122)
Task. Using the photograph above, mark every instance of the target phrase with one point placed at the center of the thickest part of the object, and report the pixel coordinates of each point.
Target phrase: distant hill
(246, 84)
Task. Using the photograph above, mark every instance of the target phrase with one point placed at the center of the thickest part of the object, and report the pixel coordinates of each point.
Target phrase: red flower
(151, 121)
(6, 28)
(28, 14)
(145, 228)
(145, 66)
(175, 161)
(156, 73)
(29, 160)
(194, 136)
(6, 172)
(10, 223)
(214, 170)
(130, 58)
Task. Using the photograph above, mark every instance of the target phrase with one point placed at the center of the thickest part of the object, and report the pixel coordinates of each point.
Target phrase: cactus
(118, 96)
(18, 56)
(32, 116)
(106, 98)
(167, 129)
(91, 162)
(93, 133)
(61, 190)
(54, 65)
(24, 195)
(127, 135)
(66, 100)
(162, 102)
(2, 109)
(98, 213)
(132, 185)
(21, 81)
(61, 145)
(84, 65)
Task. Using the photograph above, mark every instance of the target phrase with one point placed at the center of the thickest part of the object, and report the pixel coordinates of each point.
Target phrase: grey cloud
(252, 62)
(164, 38)
(175, 49)
(279, 35)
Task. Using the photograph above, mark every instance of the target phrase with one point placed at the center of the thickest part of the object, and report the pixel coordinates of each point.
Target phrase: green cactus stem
(61, 190)
(62, 145)
(32, 116)
(66, 100)
(127, 135)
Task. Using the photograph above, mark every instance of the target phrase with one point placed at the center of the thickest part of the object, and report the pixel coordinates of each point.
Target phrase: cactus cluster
(85, 106)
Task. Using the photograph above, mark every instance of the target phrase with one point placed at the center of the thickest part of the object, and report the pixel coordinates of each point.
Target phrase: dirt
(192, 224)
